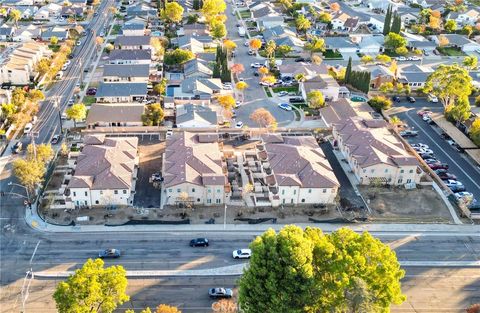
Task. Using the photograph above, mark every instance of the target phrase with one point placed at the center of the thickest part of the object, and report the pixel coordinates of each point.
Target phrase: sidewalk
(34, 221)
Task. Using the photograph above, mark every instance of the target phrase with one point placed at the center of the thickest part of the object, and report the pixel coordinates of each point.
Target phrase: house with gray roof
(373, 153)
(195, 88)
(414, 75)
(115, 115)
(133, 29)
(197, 68)
(193, 166)
(6, 32)
(130, 57)
(121, 92)
(105, 172)
(133, 43)
(56, 31)
(121, 73)
(141, 9)
(195, 116)
(341, 44)
(458, 41)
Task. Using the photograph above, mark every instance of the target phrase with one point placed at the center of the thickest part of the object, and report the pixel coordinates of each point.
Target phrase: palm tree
(15, 15)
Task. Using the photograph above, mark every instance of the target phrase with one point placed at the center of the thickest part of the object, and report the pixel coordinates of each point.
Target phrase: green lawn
(88, 100)
(267, 91)
(287, 89)
(450, 51)
(245, 14)
(116, 29)
(391, 53)
(331, 54)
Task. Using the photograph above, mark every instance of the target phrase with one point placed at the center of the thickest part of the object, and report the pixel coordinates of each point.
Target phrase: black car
(457, 188)
(17, 147)
(409, 133)
(219, 293)
(396, 99)
(296, 100)
(256, 74)
(109, 254)
(411, 99)
(426, 156)
(55, 139)
(199, 242)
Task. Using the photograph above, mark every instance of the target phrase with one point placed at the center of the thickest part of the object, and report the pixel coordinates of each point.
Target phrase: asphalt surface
(459, 165)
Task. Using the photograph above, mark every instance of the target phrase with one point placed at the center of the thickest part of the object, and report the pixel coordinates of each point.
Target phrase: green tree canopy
(53, 40)
(284, 50)
(178, 56)
(77, 112)
(161, 87)
(449, 83)
(92, 289)
(393, 41)
(153, 115)
(470, 62)
(173, 12)
(315, 99)
(316, 44)
(459, 112)
(309, 271)
(218, 30)
(450, 26)
(475, 131)
(379, 103)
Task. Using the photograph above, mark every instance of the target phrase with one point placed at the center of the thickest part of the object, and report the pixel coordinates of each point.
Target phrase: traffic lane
(458, 166)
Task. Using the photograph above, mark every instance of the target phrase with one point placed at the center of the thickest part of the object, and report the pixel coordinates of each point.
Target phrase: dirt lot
(400, 205)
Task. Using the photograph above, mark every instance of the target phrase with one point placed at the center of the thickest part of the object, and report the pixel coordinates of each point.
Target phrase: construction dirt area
(404, 206)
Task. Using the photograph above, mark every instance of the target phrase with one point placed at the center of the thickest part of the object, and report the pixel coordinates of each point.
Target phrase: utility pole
(33, 145)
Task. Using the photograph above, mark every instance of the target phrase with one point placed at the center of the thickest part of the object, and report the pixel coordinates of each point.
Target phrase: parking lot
(458, 164)
(150, 151)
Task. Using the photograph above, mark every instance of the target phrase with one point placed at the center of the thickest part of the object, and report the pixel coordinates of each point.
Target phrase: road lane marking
(34, 251)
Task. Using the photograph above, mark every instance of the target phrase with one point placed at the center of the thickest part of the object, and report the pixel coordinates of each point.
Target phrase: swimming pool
(358, 99)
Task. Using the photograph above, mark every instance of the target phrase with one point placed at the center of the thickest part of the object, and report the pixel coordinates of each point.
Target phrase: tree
(270, 48)
(237, 68)
(173, 12)
(77, 112)
(229, 44)
(8, 109)
(218, 30)
(192, 18)
(161, 87)
(388, 21)
(434, 22)
(19, 97)
(263, 118)
(474, 131)
(300, 77)
(163, 308)
(43, 66)
(227, 102)
(42, 153)
(226, 305)
(386, 87)
(54, 40)
(212, 8)
(284, 50)
(255, 44)
(348, 71)
(334, 7)
(315, 99)
(393, 41)
(459, 112)
(269, 79)
(467, 30)
(109, 47)
(241, 86)
(443, 41)
(325, 17)
(366, 59)
(401, 50)
(29, 173)
(153, 115)
(36, 95)
(316, 44)
(92, 288)
(418, 52)
(425, 15)
(396, 24)
(449, 83)
(470, 62)
(178, 56)
(395, 120)
(379, 103)
(158, 46)
(263, 70)
(450, 26)
(383, 58)
(15, 15)
(309, 271)
(302, 23)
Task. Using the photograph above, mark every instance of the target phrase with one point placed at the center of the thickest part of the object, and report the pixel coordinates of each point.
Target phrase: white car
(422, 150)
(169, 133)
(265, 84)
(79, 43)
(463, 194)
(420, 145)
(238, 103)
(282, 94)
(401, 59)
(256, 65)
(28, 128)
(239, 124)
(242, 254)
(432, 98)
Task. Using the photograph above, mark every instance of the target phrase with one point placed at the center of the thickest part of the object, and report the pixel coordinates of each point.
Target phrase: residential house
(133, 43)
(105, 172)
(341, 44)
(193, 166)
(379, 74)
(195, 29)
(130, 57)
(195, 116)
(143, 10)
(115, 114)
(27, 33)
(120, 73)
(373, 153)
(470, 17)
(310, 70)
(377, 21)
(282, 35)
(343, 109)
(270, 22)
(79, 3)
(41, 15)
(121, 92)
(133, 30)
(324, 83)
(338, 20)
(301, 172)
(26, 12)
(458, 41)
(194, 88)
(261, 9)
(17, 3)
(197, 68)
(369, 44)
(190, 43)
(414, 75)
(6, 32)
(72, 12)
(61, 33)
(408, 15)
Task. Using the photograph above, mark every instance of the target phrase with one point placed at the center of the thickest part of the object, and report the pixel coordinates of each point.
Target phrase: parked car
(256, 74)
(282, 93)
(285, 106)
(91, 91)
(420, 145)
(266, 84)
(463, 194)
(455, 186)
(219, 293)
(396, 99)
(438, 166)
(242, 254)
(28, 128)
(411, 99)
(296, 100)
(109, 254)
(445, 175)
(432, 98)
(169, 133)
(401, 59)
(256, 65)
(70, 102)
(426, 156)
(251, 52)
(409, 133)
(199, 242)
(432, 161)
(55, 139)
(239, 124)
(423, 112)
(17, 147)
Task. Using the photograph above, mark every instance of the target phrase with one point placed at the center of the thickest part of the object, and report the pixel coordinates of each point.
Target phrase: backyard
(332, 54)
(450, 51)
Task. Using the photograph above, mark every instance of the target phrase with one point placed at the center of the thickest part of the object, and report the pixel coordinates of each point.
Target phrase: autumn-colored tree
(15, 15)
(241, 86)
(270, 48)
(164, 308)
(434, 22)
(42, 153)
(53, 40)
(263, 70)
(77, 112)
(383, 58)
(29, 173)
(269, 79)
(443, 41)
(237, 68)
(255, 44)
(227, 102)
(315, 99)
(153, 115)
(229, 44)
(263, 118)
(173, 12)
(335, 7)
(366, 59)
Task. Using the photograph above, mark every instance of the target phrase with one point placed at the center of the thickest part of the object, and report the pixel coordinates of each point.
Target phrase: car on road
(411, 99)
(79, 43)
(256, 74)
(169, 133)
(432, 98)
(437, 166)
(401, 59)
(70, 102)
(256, 65)
(55, 139)
(199, 242)
(285, 106)
(91, 91)
(455, 186)
(251, 52)
(17, 147)
(242, 254)
(414, 59)
(420, 145)
(239, 124)
(423, 112)
(396, 99)
(28, 128)
(266, 84)
(282, 93)
(409, 133)
(109, 254)
(238, 103)
(219, 293)
(302, 60)
(296, 100)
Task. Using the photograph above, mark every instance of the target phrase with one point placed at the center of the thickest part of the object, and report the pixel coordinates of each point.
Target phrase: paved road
(465, 171)
(255, 96)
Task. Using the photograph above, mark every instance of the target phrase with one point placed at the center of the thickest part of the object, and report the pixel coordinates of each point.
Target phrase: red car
(438, 166)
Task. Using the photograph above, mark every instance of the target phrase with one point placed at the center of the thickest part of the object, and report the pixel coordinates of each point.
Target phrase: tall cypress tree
(388, 21)
(396, 24)
(348, 71)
